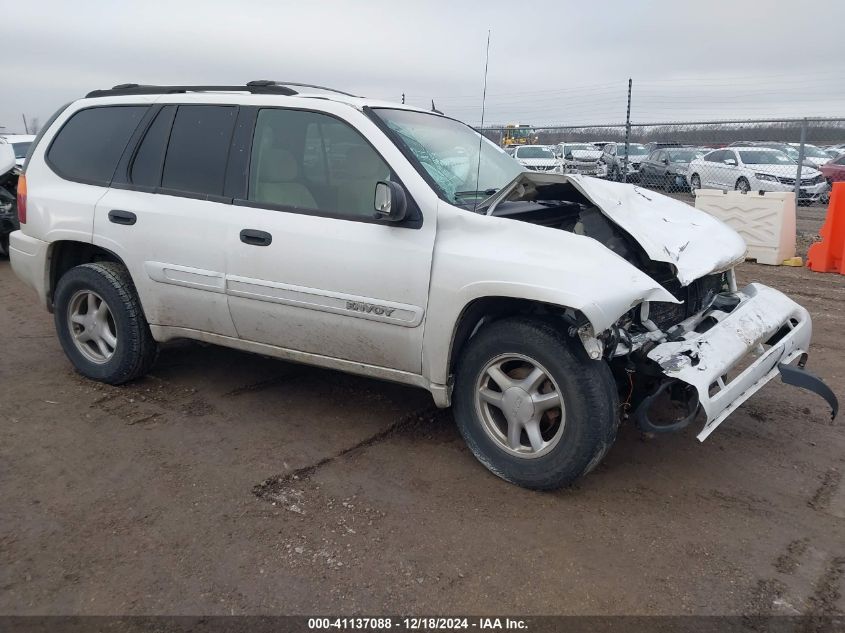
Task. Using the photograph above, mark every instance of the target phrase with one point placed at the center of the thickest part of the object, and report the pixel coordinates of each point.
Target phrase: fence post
(800, 160)
(627, 135)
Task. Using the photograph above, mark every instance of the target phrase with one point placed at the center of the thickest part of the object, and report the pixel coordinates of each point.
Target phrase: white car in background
(581, 158)
(813, 155)
(20, 144)
(537, 158)
(754, 169)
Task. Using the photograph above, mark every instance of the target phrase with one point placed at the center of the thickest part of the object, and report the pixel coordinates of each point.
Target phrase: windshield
(633, 149)
(534, 152)
(448, 151)
(758, 157)
(21, 149)
(683, 155)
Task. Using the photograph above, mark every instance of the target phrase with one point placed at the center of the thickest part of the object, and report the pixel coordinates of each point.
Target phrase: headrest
(278, 165)
(363, 162)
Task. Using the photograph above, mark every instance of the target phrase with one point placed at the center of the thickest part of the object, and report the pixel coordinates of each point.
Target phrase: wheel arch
(487, 309)
(66, 254)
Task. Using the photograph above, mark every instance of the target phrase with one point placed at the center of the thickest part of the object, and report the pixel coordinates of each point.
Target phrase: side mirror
(730, 161)
(569, 155)
(665, 161)
(390, 202)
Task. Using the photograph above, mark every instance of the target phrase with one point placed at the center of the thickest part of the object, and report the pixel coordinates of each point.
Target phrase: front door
(311, 269)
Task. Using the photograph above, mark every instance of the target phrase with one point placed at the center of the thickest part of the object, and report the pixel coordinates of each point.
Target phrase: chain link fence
(798, 155)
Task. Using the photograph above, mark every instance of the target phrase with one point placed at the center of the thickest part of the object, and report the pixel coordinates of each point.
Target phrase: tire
(669, 183)
(615, 176)
(694, 183)
(742, 185)
(4, 245)
(586, 424)
(111, 345)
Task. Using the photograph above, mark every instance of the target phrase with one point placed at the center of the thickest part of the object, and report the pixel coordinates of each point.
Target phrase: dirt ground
(226, 483)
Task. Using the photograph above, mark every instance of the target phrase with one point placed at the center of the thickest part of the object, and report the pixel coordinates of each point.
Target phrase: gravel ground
(230, 483)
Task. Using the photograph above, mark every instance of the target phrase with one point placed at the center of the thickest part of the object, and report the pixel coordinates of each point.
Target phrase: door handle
(256, 238)
(122, 217)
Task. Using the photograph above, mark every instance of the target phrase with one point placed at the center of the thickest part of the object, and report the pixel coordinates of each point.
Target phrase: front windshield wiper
(476, 192)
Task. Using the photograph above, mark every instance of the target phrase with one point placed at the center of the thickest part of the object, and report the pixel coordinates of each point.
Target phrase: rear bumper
(737, 356)
(29, 262)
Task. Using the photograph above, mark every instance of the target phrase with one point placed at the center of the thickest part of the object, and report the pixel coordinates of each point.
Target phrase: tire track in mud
(272, 488)
(829, 489)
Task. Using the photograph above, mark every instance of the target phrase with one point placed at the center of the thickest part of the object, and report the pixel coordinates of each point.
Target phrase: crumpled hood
(695, 243)
(670, 231)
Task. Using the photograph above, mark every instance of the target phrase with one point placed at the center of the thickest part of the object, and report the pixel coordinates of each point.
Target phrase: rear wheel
(531, 406)
(100, 323)
(742, 185)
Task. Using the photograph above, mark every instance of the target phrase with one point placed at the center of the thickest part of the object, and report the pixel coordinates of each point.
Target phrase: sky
(557, 62)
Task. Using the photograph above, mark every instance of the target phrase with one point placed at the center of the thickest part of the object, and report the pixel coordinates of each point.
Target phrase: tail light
(22, 199)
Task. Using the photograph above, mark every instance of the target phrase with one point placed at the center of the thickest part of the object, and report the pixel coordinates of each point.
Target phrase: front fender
(484, 256)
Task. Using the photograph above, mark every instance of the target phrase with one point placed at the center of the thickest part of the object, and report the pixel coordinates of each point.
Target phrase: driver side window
(311, 161)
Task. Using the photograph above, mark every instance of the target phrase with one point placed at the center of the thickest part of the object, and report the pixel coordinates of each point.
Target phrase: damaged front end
(711, 349)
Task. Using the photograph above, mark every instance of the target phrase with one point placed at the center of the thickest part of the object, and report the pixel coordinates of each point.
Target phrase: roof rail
(259, 86)
(298, 85)
(254, 87)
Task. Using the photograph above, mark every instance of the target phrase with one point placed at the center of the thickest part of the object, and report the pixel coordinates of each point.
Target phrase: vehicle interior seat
(364, 168)
(278, 181)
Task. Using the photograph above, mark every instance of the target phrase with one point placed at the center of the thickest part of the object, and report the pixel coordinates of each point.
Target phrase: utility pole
(627, 135)
(25, 126)
(800, 161)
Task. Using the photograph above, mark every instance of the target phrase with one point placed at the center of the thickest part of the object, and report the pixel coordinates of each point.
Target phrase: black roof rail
(254, 87)
(259, 86)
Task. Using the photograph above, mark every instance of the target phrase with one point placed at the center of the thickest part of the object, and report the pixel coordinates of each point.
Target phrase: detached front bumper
(741, 352)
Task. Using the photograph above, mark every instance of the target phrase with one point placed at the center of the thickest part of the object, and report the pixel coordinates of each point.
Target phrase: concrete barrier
(766, 221)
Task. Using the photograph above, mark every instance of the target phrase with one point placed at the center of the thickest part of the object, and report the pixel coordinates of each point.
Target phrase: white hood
(668, 230)
(692, 241)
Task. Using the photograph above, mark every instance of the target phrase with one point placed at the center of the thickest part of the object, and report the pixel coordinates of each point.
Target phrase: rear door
(311, 269)
(166, 217)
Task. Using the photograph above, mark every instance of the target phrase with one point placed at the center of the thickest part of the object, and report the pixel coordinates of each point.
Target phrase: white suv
(396, 243)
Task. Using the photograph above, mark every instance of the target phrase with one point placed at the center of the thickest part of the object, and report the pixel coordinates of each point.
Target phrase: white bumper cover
(707, 360)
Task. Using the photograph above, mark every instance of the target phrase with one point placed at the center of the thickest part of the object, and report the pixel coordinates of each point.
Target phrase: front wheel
(531, 406)
(742, 186)
(694, 183)
(100, 324)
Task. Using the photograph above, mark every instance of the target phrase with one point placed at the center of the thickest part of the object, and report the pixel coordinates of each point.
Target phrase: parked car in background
(834, 171)
(653, 145)
(754, 169)
(536, 157)
(790, 149)
(580, 158)
(20, 143)
(834, 152)
(667, 168)
(812, 154)
(613, 155)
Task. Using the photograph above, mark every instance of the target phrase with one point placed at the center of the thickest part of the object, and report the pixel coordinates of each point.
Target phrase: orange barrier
(828, 256)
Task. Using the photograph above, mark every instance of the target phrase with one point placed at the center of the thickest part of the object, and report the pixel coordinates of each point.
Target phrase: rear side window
(147, 164)
(198, 149)
(89, 145)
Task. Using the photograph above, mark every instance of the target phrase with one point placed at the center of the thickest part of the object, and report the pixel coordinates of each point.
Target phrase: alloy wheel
(92, 326)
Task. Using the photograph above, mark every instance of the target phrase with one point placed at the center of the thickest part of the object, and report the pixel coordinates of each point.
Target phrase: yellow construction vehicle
(518, 134)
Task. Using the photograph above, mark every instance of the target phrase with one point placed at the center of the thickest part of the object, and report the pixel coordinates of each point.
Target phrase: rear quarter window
(90, 143)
